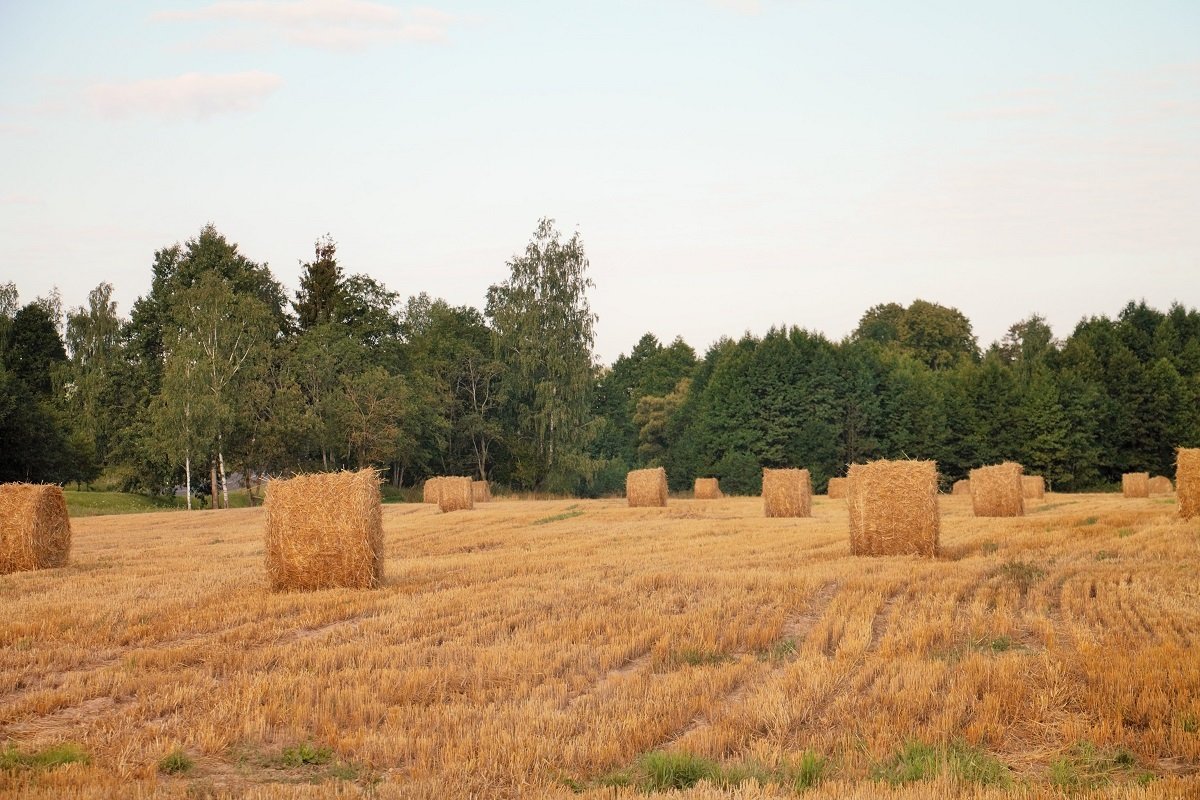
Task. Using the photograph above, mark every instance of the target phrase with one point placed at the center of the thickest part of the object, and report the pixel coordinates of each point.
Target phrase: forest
(219, 371)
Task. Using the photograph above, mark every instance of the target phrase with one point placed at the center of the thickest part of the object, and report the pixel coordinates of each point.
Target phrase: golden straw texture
(893, 508)
(1187, 481)
(1160, 484)
(787, 493)
(996, 491)
(1033, 487)
(961, 487)
(707, 489)
(481, 491)
(646, 487)
(1135, 484)
(35, 531)
(432, 491)
(324, 531)
(456, 494)
(836, 488)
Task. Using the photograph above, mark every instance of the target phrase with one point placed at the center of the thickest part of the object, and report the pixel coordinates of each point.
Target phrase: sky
(730, 165)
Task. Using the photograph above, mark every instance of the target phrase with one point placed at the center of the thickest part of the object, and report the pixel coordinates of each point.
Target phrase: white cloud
(339, 25)
(194, 95)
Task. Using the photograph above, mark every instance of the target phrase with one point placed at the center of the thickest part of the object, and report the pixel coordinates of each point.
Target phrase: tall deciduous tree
(544, 337)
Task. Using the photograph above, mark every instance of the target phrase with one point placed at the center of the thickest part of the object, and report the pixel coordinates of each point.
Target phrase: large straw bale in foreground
(996, 491)
(456, 494)
(1161, 484)
(707, 489)
(836, 488)
(893, 508)
(1135, 484)
(481, 491)
(325, 531)
(432, 490)
(787, 493)
(646, 487)
(35, 531)
(961, 487)
(1033, 487)
(1187, 481)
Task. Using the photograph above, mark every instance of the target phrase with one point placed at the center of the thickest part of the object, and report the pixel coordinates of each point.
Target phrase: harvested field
(531, 647)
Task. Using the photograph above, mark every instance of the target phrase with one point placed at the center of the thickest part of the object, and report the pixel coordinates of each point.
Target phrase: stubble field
(547, 648)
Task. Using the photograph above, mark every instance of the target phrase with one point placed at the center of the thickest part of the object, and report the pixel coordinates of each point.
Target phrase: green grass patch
(987, 548)
(59, 755)
(917, 761)
(1024, 575)
(1086, 521)
(1047, 507)
(1086, 767)
(781, 650)
(1124, 533)
(304, 755)
(695, 657)
(662, 771)
(94, 504)
(176, 762)
(568, 514)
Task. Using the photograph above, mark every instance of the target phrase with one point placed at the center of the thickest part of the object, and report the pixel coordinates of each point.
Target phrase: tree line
(219, 371)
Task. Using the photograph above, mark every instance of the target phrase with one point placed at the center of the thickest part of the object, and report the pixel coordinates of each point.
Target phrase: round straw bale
(456, 494)
(961, 487)
(325, 531)
(1160, 484)
(35, 531)
(996, 491)
(836, 488)
(1187, 481)
(1135, 484)
(1033, 487)
(481, 491)
(893, 508)
(707, 489)
(646, 487)
(431, 493)
(787, 493)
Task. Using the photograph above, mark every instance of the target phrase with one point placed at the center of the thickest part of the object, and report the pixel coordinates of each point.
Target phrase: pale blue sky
(730, 165)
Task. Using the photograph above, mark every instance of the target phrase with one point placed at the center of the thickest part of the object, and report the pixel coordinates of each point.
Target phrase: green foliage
(917, 761)
(1087, 767)
(663, 771)
(1022, 574)
(53, 757)
(558, 517)
(304, 755)
(176, 762)
(695, 657)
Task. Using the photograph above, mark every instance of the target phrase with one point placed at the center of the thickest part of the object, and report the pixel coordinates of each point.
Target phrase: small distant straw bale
(1187, 481)
(432, 491)
(35, 531)
(787, 493)
(893, 508)
(1033, 487)
(707, 489)
(961, 487)
(646, 487)
(1160, 484)
(325, 531)
(481, 491)
(836, 488)
(456, 494)
(1135, 484)
(996, 491)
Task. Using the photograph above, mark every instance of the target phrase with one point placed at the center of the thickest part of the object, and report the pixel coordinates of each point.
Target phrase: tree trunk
(224, 485)
(212, 482)
(249, 486)
(187, 471)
